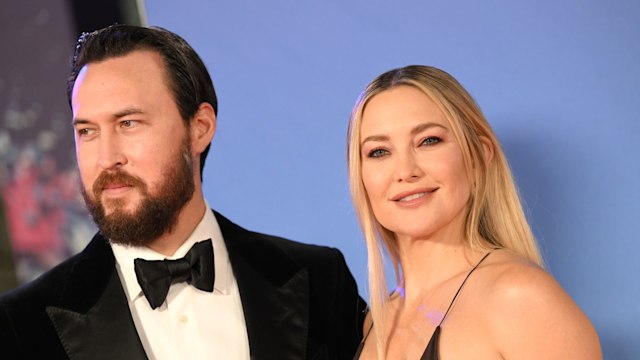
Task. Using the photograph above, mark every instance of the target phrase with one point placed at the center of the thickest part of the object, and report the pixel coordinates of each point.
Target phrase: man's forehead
(140, 62)
(140, 72)
(79, 80)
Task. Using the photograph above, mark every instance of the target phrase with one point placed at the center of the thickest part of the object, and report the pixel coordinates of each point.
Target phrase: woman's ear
(487, 149)
(203, 127)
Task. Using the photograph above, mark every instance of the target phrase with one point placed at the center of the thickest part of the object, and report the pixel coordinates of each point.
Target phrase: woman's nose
(408, 169)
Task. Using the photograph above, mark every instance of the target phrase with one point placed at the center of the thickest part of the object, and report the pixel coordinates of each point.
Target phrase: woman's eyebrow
(424, 126)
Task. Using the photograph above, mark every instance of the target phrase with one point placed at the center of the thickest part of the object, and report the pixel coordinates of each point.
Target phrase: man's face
(132, 146)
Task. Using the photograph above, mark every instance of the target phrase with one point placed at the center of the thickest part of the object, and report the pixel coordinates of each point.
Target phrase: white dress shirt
(191, 323)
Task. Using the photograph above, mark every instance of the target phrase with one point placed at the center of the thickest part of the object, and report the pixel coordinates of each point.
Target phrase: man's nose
(111, 154)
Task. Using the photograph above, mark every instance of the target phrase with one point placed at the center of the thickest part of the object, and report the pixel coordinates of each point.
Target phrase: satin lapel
(275, 301)
(93, 320)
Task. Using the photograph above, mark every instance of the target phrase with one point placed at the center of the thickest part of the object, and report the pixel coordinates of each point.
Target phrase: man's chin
(118, 214)
(119, 206)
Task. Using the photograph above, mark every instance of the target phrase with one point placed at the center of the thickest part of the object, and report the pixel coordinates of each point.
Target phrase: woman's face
(412, 166)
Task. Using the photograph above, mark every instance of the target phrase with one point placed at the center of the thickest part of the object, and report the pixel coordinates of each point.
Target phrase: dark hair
(189, 80)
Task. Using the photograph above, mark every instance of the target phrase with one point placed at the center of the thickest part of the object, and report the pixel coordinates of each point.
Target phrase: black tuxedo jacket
(299, 301)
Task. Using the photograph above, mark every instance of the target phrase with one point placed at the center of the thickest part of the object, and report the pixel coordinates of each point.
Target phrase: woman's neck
(426, 263)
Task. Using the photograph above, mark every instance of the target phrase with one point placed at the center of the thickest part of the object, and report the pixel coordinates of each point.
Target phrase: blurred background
(558, 80)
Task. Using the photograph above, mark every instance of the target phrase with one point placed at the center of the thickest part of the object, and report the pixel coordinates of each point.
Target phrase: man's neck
(188, 219)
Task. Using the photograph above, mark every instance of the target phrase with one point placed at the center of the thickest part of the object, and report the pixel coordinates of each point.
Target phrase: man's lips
(115, 186)
(116, 189)
(408, 196)
(116, 183)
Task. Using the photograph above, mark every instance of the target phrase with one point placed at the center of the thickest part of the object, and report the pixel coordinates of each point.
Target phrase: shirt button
(184, 319)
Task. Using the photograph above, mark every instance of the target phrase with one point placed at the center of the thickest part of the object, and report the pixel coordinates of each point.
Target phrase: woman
(432, 187)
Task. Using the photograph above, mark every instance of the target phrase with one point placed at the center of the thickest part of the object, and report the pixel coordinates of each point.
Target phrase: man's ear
(203, 127)
(487, 149)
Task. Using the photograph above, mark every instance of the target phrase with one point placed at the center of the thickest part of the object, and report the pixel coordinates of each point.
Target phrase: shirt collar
(208, 228)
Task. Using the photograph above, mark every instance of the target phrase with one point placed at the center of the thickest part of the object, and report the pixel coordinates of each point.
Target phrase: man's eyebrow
(416, 130)
(122, 113)
(128, 111)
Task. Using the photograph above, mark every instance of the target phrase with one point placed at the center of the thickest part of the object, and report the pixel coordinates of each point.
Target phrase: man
(144, 114)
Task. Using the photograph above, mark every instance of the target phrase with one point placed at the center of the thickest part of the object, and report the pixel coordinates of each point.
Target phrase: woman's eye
(376, 153)
(430, 140)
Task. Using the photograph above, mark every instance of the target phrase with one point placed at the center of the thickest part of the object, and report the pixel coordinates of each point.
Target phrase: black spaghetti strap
(461, 285)
(361, 345)
(367, 334)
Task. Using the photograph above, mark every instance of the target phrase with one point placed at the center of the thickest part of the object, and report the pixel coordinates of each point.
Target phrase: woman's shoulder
(525, 306)
(519, 286)
(512, 275)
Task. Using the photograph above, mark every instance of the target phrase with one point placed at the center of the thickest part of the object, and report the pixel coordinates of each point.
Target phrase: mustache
(107, 178)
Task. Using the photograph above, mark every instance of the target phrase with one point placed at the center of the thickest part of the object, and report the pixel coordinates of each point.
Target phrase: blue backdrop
(559, 80)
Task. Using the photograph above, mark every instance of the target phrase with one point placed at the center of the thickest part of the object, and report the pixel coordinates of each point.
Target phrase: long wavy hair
(494, 214)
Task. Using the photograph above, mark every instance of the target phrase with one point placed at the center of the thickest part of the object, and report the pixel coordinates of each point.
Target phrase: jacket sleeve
(8, 340)
(350, 310)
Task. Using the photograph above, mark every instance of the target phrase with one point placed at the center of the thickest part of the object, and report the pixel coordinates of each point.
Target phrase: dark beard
(155, 215)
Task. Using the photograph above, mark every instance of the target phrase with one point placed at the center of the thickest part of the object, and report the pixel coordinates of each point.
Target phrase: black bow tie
(196, 268)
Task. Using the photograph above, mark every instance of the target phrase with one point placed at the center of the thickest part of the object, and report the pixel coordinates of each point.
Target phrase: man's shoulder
(47, 288)
(50, 282)
(293, 246)
(275, 247)
(304, 252)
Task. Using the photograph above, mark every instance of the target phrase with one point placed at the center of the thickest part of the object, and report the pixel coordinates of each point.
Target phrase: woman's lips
(413, 198)
(412, 195)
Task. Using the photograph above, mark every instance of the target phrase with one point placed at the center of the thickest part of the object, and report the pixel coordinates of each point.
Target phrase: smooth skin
(510, 308)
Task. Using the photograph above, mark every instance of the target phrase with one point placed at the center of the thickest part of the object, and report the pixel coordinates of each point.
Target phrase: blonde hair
(494, 219)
